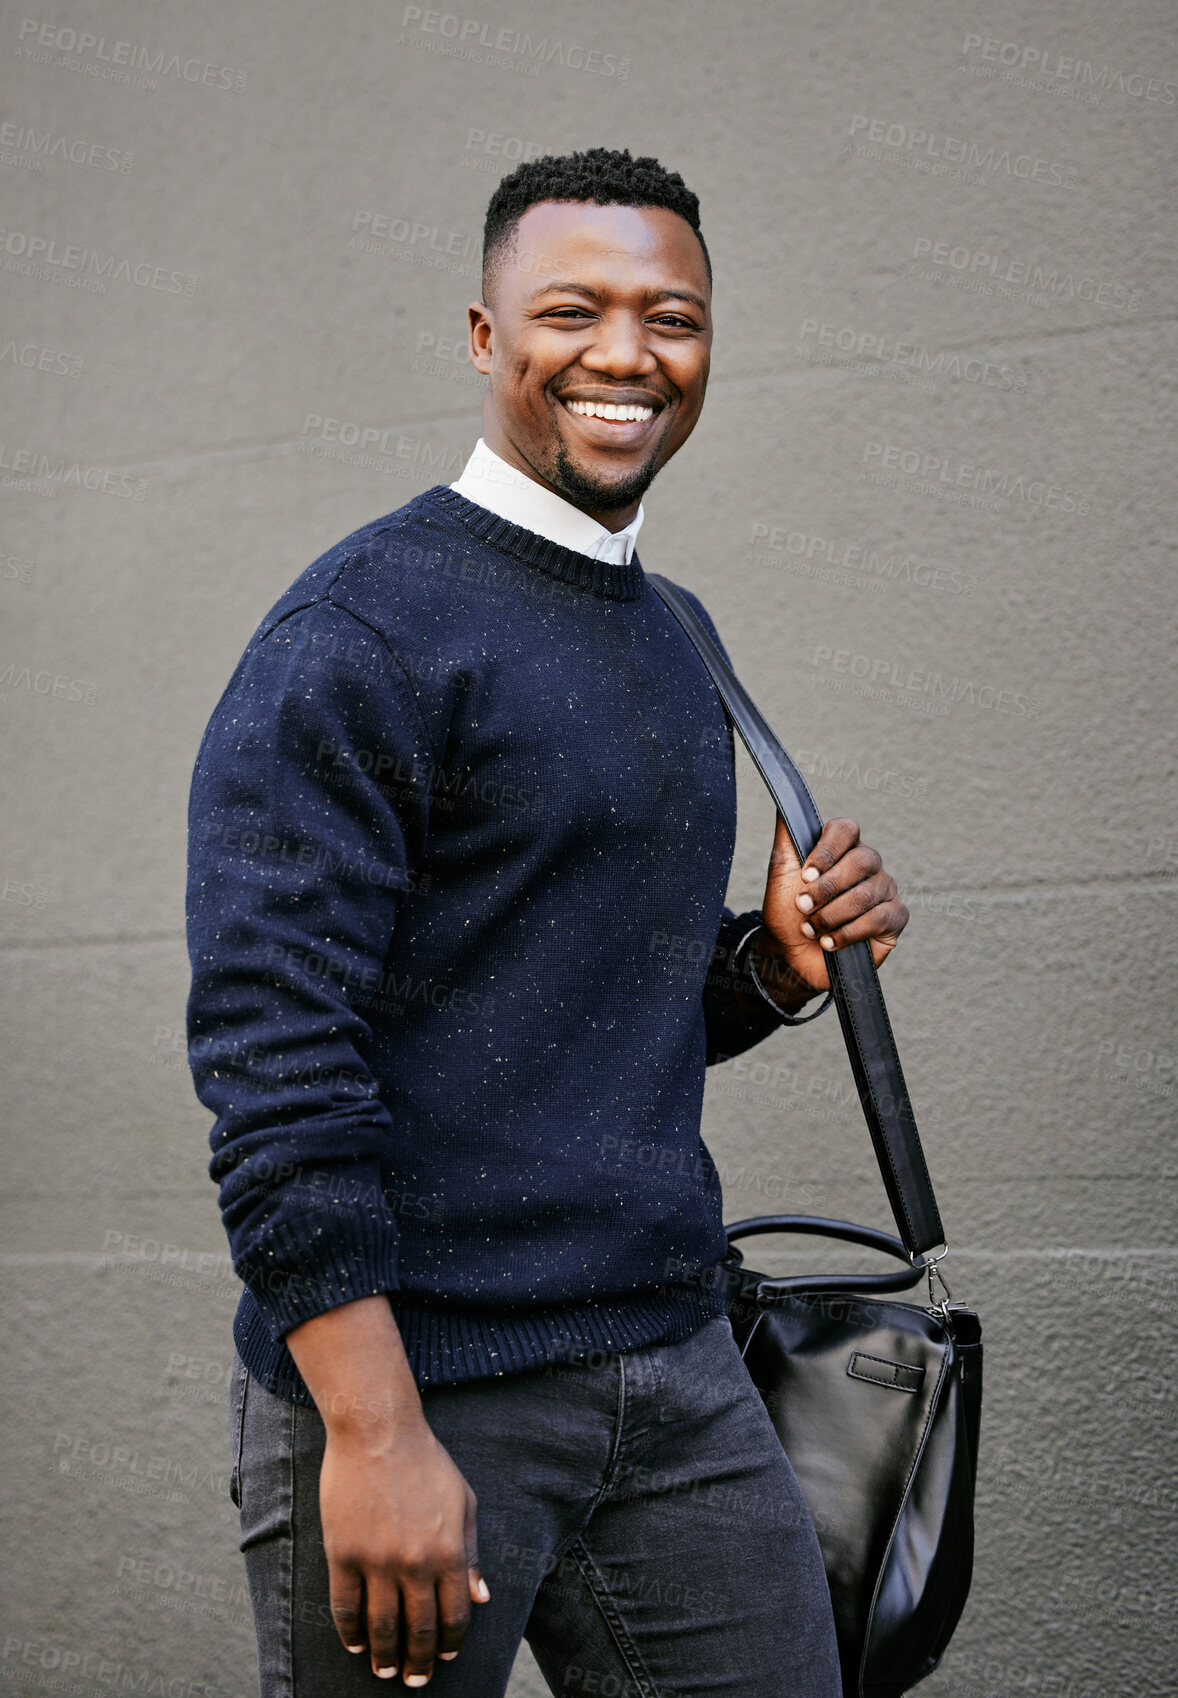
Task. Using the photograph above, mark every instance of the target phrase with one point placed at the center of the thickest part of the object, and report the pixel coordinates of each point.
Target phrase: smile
(609, 410)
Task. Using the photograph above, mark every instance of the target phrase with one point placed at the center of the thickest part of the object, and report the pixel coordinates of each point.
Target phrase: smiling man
(461, 829)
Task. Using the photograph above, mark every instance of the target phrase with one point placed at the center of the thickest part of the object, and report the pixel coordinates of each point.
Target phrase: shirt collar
(490, 482)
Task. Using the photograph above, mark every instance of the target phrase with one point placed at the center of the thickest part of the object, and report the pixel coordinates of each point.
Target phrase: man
(461, 830)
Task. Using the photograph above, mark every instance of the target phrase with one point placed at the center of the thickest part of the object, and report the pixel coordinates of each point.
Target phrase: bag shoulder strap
(867, 1031)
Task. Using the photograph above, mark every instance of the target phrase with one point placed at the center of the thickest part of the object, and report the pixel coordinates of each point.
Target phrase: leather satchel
(877, 1402)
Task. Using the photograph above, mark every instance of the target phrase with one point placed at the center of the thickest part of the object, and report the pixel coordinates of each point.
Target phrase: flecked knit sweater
(460, 832)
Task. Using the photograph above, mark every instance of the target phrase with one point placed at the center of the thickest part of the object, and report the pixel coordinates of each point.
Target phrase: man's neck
(612, 519)
(492, 482)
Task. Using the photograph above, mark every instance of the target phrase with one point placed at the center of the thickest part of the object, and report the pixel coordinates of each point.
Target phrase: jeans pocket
(238, 1378)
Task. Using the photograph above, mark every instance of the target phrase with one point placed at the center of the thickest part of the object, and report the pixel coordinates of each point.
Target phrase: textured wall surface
(930, 505)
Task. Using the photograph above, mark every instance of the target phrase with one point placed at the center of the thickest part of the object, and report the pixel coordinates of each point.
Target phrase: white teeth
(609, 410)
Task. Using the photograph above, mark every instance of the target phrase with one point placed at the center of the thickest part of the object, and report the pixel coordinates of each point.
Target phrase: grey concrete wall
(930, 504)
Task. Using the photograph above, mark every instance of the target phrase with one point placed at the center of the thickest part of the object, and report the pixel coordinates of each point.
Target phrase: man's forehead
(555, 240)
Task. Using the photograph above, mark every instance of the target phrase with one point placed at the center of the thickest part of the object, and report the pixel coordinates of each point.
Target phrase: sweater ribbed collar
(610, 579)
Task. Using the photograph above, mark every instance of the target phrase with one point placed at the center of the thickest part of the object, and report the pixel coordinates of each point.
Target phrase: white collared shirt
(490, 482)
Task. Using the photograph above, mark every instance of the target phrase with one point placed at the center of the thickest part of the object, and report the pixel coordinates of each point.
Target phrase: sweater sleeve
(730, 1031)
(307, 820)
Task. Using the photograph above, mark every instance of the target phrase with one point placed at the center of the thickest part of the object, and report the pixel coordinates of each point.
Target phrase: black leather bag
(877, 1403)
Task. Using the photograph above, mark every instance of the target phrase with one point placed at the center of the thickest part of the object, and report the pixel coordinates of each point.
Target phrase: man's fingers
(346, 1592)
(474, 1575)
(384, 1620)
(882, 924)
(837, 837)
(783, 859)
(420, 1631)
(873, 892)
(453, 1611)
(853, 868)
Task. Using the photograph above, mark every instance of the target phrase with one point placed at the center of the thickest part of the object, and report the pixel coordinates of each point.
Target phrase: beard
(586, 491)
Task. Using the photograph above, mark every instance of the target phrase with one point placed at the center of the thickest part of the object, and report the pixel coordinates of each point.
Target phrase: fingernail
(386, 1674)
(447, 1656)
(828, 943)
(807, 929)
(805, 903)
(416, 1679)
(809, 873)
(355, 1648)
(482, 1591)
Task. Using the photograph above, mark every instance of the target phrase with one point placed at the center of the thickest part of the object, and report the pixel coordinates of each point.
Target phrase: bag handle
(867, 1031)
(807, 1285)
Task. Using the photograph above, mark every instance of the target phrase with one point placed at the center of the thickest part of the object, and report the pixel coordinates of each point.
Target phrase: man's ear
(479, 318)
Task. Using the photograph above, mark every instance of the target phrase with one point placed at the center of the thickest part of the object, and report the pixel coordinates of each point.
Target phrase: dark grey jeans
(638, 1525)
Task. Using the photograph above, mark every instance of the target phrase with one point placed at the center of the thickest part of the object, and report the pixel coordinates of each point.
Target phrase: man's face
(605, 305)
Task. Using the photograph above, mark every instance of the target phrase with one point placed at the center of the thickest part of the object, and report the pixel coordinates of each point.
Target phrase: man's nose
(621, 348)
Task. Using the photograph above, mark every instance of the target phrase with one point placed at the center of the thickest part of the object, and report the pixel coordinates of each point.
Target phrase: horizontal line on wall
(95, 1258)
(1013, 345)
(196, 459)
(101, 940)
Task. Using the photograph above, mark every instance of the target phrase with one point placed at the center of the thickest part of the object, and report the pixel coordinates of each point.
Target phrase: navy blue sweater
(460, 832)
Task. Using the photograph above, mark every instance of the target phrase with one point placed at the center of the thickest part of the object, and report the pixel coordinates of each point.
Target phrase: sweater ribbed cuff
(297, 1273)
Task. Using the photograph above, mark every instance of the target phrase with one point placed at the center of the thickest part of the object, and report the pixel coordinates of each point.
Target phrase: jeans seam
(286, 1555)
(626, 1648)
(238, 1438)
(611, 1465)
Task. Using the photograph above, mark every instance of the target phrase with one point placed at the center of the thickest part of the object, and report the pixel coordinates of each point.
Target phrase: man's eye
(567, 312)
(674, 321)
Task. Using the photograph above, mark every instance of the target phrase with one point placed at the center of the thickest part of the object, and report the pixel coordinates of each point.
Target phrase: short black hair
(603, 175)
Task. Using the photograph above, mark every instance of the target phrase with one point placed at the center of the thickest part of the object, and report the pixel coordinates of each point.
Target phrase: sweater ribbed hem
(610, 579)
(449, 1347)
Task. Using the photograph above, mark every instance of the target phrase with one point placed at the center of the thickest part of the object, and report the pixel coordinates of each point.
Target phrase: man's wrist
(352, 1360)
(778, 982)
(787, 988)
